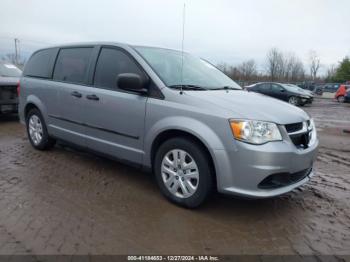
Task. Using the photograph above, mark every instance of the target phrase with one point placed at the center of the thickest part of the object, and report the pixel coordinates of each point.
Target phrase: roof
(124, 45)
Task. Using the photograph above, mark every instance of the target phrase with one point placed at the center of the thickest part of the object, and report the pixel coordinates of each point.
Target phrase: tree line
(286, 67)
(341, 73)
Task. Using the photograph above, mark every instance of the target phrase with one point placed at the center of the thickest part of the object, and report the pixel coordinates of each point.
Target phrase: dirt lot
(67, 202)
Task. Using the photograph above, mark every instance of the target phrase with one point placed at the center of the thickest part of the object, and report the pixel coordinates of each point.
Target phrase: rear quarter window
(264, 87)
(41, 63)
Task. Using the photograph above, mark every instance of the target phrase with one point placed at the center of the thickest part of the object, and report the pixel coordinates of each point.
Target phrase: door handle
(76, 94)
(93, 97)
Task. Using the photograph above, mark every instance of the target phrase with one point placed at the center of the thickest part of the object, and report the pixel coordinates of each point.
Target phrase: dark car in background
(318, 89)
(9, 78)
(311, 86)
(286, 92)
(331, 87)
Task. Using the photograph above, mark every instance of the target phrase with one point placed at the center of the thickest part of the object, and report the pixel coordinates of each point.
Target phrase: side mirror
(132, 82)
(282, 90)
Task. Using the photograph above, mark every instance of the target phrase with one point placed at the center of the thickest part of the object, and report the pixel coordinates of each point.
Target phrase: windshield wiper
(187, 87)
(225, 88)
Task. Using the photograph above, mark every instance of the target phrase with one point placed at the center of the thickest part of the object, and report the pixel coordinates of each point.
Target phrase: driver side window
(110, 64)
(277, 88)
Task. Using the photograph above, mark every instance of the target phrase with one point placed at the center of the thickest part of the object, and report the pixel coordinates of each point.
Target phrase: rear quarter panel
(42, 94)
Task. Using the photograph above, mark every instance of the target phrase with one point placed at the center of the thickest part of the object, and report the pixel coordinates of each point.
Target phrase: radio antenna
(182, 46)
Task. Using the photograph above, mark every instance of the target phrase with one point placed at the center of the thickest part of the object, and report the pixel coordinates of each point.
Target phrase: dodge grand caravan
(169, 112)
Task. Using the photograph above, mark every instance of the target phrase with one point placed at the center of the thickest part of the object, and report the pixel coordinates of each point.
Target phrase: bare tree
(298, 71)
(331, 71)
(293, 68)
(279, 66)
(274, 64)
(248, 69)
(315, 63)
(223, 67)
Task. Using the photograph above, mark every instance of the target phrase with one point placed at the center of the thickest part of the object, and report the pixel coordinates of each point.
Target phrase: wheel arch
(34, 102)
(171, 133)
(29, 107)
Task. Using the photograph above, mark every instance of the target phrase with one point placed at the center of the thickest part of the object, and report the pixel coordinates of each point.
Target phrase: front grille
(283, 179)
(300, 133)
(291, 128)
(301, 140)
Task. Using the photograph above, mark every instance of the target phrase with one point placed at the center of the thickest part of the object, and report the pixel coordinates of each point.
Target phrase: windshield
(196, 72)
(9, 70)
(293, 88)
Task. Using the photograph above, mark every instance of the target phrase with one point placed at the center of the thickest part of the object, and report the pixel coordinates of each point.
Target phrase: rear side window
(264, 87)
(72, 65)
(110, 64)
(40, 64)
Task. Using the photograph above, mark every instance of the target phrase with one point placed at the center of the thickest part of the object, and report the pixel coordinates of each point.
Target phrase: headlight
(255, 132)
(312, 133)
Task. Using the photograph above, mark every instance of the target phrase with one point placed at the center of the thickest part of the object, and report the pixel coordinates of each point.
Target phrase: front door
(115, 118)
(278, 92)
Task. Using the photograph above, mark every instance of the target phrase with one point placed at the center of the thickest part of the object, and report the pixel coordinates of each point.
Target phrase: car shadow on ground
(9, 118)
(144, 183)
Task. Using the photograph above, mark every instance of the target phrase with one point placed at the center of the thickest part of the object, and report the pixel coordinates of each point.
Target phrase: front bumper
(242, 171)
(8, 106)
(306, 100)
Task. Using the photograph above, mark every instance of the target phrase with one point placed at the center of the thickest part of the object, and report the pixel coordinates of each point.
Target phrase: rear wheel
(293, 100)
(183, 172)
(37, 131)
(341, 99)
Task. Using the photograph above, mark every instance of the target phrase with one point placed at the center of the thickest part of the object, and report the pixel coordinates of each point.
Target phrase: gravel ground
(69, 202)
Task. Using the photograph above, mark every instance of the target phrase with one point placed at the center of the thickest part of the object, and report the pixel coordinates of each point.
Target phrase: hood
(306, 92)
(250, 105)
(298, 90)
(8, 81)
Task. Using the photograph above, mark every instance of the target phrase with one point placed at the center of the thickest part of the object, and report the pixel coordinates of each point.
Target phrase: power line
(27, 40)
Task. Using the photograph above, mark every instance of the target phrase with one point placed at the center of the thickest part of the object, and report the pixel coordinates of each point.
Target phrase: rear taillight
(18, 88)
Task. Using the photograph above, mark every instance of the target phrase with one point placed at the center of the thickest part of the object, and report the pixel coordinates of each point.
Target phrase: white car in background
(9, 78)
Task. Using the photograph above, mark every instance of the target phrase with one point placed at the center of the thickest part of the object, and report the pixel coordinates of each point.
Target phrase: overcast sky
(220, 30)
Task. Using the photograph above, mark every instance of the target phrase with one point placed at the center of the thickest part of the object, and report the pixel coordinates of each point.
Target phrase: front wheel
(293, 100)
(37, 131)
(341, 99)
(183, 172)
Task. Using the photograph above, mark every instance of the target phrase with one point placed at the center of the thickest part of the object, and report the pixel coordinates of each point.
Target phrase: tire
(341, 99)
(37, 131)
(192, 188)
(293, 100)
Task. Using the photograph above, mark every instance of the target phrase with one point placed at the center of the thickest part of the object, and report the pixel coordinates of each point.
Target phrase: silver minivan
(169, 112)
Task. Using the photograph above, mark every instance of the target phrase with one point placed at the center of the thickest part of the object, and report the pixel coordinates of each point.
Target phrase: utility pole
(16, 51)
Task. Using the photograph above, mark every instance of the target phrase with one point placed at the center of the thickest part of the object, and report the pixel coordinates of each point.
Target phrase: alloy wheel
(293, 100)
(35, 129)
(341, 99)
